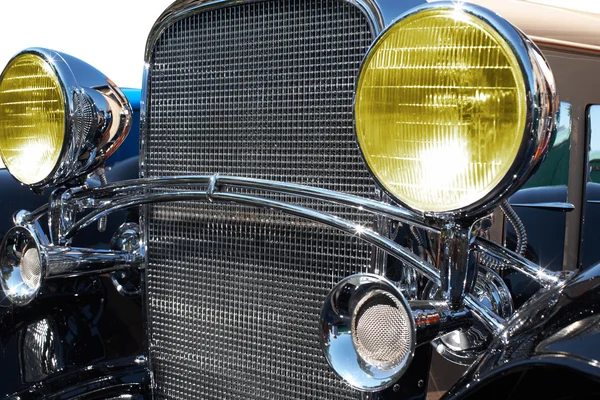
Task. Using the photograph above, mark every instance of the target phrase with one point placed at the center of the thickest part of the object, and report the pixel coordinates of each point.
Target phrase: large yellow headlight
(442, 109)
(32, 118)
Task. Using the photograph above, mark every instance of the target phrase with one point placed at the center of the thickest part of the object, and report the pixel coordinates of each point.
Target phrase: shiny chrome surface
(42, 354)
(512, 260)
(535, 337)
(106, 200)
(391, 333)
(434, 318)
(457, 270)
(349, 227)
(27, 261)
(542, 109)
(98, 117)
(105, 196)
(548, 206)
(464, 346)
(128, 239)
(18, 242)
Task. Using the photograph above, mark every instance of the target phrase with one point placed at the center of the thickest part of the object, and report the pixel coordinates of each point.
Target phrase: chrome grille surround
(262, 90)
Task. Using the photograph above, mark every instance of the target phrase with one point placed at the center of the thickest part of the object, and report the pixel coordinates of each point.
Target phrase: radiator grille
(264, 90)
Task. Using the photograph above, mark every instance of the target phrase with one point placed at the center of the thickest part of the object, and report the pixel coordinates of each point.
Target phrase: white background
(109, 34)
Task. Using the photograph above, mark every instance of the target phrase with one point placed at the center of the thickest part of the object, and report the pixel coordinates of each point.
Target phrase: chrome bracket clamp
(127, 239)
(212, 187)
(457, 271)
(62, 214)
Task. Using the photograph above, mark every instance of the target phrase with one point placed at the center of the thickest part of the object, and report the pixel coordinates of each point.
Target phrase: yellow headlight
(440, 109)
(32, 118)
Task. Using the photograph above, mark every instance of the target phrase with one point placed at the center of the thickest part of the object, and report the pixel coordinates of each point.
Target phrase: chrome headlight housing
(60, 118)
(454, 109)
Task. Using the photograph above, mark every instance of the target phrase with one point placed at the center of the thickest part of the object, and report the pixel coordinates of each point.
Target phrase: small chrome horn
(23, 265)
(27, 260)
(367, 332)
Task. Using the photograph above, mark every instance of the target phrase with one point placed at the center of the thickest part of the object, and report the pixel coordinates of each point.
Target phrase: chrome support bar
(97, 196)
(366, 234)
(434, 318)
(457, 273)
(104, 200)
(539, 274)
(493, 322)
(429, 271)
(106, 195)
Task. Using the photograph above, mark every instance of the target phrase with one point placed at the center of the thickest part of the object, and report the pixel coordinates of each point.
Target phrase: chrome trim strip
(549, 206)
(385, 244)
(99, 194)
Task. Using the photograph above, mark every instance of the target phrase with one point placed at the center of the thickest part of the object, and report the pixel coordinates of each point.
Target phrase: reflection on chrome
(101, 201)
(464, 345)
(27, 260)
(97, 116)
(367, 332)
(40, 351)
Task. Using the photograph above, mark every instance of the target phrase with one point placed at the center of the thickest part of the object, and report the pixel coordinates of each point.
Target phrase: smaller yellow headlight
(32, 118)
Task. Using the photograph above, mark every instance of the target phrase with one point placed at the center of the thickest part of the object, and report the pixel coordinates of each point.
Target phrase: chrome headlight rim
(87, 95)
(542, 106)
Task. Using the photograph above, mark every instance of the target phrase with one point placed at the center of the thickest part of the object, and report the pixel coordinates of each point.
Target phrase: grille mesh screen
(264, 90)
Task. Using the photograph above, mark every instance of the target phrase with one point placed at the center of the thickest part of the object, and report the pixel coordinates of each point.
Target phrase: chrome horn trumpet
(369, 331)
(27, 260)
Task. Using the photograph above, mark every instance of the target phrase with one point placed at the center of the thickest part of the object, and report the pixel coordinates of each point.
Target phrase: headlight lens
(440, 109)
(32, 118)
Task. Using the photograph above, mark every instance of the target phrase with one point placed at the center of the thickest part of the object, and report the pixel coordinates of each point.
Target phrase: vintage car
(333, 199)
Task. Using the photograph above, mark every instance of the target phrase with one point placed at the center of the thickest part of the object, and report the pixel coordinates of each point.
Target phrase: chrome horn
(27, 260)
(369, 331)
